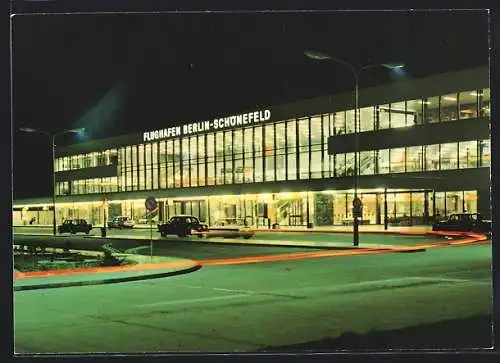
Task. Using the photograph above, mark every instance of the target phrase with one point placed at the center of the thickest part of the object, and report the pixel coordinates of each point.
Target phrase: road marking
(400, 280)
(188, 301)
(445, 279)
(397, 281)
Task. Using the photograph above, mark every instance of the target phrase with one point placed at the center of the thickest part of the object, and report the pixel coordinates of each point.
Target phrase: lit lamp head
(396, 68)
(28, 129)
(313, 54)
(79, 130)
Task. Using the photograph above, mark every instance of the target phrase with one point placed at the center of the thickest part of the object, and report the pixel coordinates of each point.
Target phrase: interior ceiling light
(448, 98)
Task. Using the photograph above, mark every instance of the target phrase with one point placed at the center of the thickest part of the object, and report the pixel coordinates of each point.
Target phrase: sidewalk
(146, 268)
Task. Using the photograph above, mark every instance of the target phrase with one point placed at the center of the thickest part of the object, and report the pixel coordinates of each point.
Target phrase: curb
(411, 251)
(249, 243)
(108, 280)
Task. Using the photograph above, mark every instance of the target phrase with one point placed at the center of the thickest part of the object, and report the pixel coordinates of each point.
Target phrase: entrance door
(296, 212)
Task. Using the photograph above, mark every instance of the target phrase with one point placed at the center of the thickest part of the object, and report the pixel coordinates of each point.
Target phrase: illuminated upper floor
(288, 142)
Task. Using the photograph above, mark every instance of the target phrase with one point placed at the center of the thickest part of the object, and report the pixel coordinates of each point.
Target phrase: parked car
(146, 221)
(121, 222)
(74, 226)
(463, 222)
(182, 225)
(243, 232)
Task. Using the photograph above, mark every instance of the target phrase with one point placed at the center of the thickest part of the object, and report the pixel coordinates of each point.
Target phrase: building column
(484, 203)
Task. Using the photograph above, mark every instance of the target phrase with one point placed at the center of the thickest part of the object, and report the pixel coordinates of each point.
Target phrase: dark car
(74, 226)
(182, 225)
(121, 222)
(463, 222)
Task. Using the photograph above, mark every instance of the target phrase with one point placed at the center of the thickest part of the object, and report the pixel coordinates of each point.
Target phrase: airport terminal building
(423, 147)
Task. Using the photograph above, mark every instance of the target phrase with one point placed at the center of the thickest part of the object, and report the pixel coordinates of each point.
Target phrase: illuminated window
(366, 121)
(383, 114)
(449, 156)
(439, 203)
(269, 152)
(418, 206)
(170, 164)
(201, 160)
(219, 158)
(122, 181)
(349, 164)
(177, 163)
(349, 122)
(449, 107)
(248, 155)
(193, 161)
(468, 104)
(470, 201)
(339, 127)
(228, 157)
(304, 148)
(454, 202)
(383, 161)
(148, 166)
(327, 127)
(238, 155)
(414, 159)
(316, 147)
(467, 157)
(280, 151)
(414, 112)
(340, 163)
(163, 165)
(484, 152)
(398, 157)
(291, 153)
(484, 103)
(398, 114)
(185, 173)
(135, 165)
(259, 177)
(402, 204)
(141, 164)
(431, 157)
(129, 173)
(210, 159)
(366, 163)
(431, 109)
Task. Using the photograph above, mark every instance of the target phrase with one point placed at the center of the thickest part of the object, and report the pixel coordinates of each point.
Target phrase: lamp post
(53, 140)
(355, 73)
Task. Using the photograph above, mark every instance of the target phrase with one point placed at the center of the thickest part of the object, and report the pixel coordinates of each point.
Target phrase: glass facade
(454, 155)
(325, 208)
(293, 149)
(286, 150)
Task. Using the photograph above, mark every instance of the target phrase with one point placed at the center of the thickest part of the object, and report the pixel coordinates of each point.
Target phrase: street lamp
(355, 73)
(53, 139)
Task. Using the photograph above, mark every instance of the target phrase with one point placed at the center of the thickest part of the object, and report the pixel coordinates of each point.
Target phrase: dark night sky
(116, 74)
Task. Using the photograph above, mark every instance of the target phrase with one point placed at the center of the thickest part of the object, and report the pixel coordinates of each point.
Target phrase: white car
(121, 222)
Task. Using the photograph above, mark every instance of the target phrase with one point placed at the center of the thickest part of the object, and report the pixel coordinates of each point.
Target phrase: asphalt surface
(259, 306)
(174, 247)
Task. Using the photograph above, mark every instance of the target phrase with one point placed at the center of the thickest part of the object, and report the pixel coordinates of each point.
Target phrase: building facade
(423, 147)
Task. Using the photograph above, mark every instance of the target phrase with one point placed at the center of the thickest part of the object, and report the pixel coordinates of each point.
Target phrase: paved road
(174, 247)
(249, 307)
